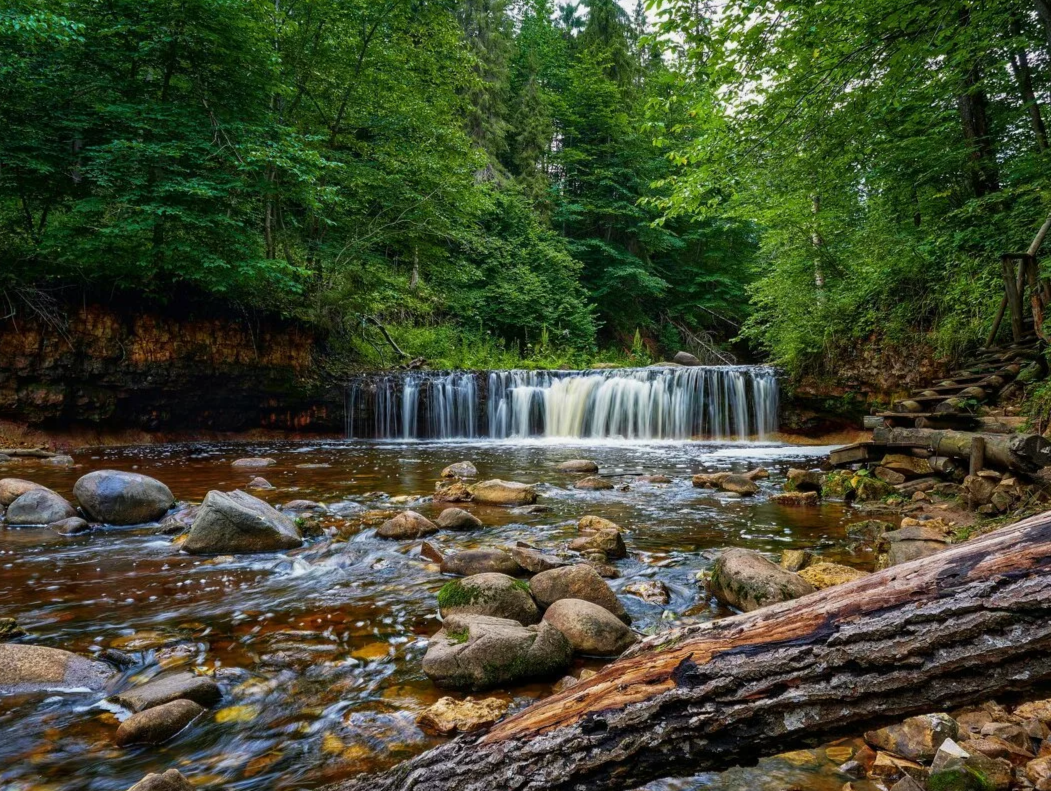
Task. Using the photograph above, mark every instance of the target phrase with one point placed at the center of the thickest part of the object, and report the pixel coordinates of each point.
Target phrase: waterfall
(713, 402)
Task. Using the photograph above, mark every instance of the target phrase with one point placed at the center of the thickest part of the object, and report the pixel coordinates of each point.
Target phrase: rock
(804, 481)
(303, 507)
(907, 466)
(653, 479)
(235, 522)
(122, 498)
(915, 540)
(578, 465)
(490, 594)
(59, 460)
(825, 575)
(1035, 710)
(576, 582)
(407, 525)
(70, 526)
(594, 484)
(10, 630)
(461, 469)
(166, 688)
(889, 476)
(891, 769)
(252, 462)
(480, 561)
(13, 488)
(157, 724)
(651, 591)
(685, 358)
(868, 488)
(797, 499)
(172, 780)
(451, 492)
(907, 784)
(530, 510)
(589, 525)
(534, 561)
(429, 552)
(497, 492)
(1009, 732)
(260, 483)
(992, 747)
(758, 474)
(917, 738)
(458, 519)
(479, 652)
(869, 530)
(838, 485)
(346, 508)
(38, 507)
(1039, 771)
(956, 767)
(746, 580)
(591, 630)
(709, 480)
(449, 716)
(609, 542)
(796, 559)
(739, 484)
(979, 488)
(35, 668)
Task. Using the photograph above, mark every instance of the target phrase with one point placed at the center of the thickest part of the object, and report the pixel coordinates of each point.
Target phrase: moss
(456, 594)
(459, 637)
(960, 778)
(523, 585)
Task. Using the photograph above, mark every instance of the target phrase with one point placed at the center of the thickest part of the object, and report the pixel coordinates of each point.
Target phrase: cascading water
(719, 402)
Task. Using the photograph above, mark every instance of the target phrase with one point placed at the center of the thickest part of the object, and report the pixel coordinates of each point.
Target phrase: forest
(520, 182)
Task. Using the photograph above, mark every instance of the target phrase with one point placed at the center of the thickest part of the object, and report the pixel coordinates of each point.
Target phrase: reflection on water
(318, 650)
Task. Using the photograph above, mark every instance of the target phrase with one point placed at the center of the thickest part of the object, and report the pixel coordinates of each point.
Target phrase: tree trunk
(958, 627)
(1019, 452)
(1014, 297)
(1024, 75)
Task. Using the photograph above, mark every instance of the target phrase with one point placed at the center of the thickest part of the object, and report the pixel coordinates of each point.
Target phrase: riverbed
(318, 650)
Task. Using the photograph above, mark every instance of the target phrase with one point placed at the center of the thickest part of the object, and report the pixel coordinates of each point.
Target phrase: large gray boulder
(13, 488)
(39, 507)
(746, 580)
(458, 519)
(590, 629)
(35, 668)
(477, 652)
(122, 498)
(492, 594)
(233, 522)
(480, 561)
(576, 582)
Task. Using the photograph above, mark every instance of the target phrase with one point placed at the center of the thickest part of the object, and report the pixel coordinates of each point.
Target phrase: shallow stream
(318, 650)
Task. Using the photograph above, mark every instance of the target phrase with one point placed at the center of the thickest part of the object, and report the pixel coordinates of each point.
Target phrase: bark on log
(1019, 452)
(947, 630)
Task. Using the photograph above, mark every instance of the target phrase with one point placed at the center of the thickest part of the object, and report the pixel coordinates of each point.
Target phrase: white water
(720, 402)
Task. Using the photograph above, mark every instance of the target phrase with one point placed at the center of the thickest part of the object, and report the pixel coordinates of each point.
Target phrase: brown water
(318, 650)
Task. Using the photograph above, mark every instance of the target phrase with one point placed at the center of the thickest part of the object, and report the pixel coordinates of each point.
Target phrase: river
(318, 650)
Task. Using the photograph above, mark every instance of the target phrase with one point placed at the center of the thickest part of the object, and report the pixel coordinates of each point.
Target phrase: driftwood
(1019, 452)
(29, 453)
(961, 626)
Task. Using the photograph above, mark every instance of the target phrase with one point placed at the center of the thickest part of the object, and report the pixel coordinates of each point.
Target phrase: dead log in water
(961, 626)
(1019, 452)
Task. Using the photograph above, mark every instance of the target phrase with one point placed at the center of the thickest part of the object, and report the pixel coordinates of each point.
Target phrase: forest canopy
(499, 179)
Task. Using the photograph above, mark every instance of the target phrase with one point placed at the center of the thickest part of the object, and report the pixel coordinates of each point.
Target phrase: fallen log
(29, 453)
(958, 627)
(1019, 452)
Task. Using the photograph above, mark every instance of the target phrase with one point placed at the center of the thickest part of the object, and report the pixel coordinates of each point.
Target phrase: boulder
(172, 780)
(70, 526)
(576, 582)
(797, 499)
(739, 484)
(589, 525)
(480, 561)
(122, 498)
(490, 594)
(252, 463)
(758, 474)
(346, 508)
(407, 525)
(868, 488)
(804, 480)
(685, 358)
(650, 591)
(709, 480)
(497, 492)
(955, 766)
(608, 542)
(893, 477)
(594, 484)
(234, 522)
(1038, 772)
(166, 688)
(534, 561)
(461, 469)
(458, 519)
(909, 543)
(870, 530)
(478, 652)
(449, 716)
(917, 738)
(591, 630)
(796, 559)
(578, 465)
(39, 507)
(260, 483)
(908, 466)
(746, 580)
(35, 668)
(825, 575)
(157, 724)
(13, 488)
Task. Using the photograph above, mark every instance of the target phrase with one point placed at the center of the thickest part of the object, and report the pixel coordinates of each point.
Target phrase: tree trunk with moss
(961, 626)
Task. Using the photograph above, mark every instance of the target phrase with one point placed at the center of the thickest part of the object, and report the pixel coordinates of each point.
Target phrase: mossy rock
(491, 594)
(838, 485)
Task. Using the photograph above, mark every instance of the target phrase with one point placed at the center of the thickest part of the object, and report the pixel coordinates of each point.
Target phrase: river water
(318, 650)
